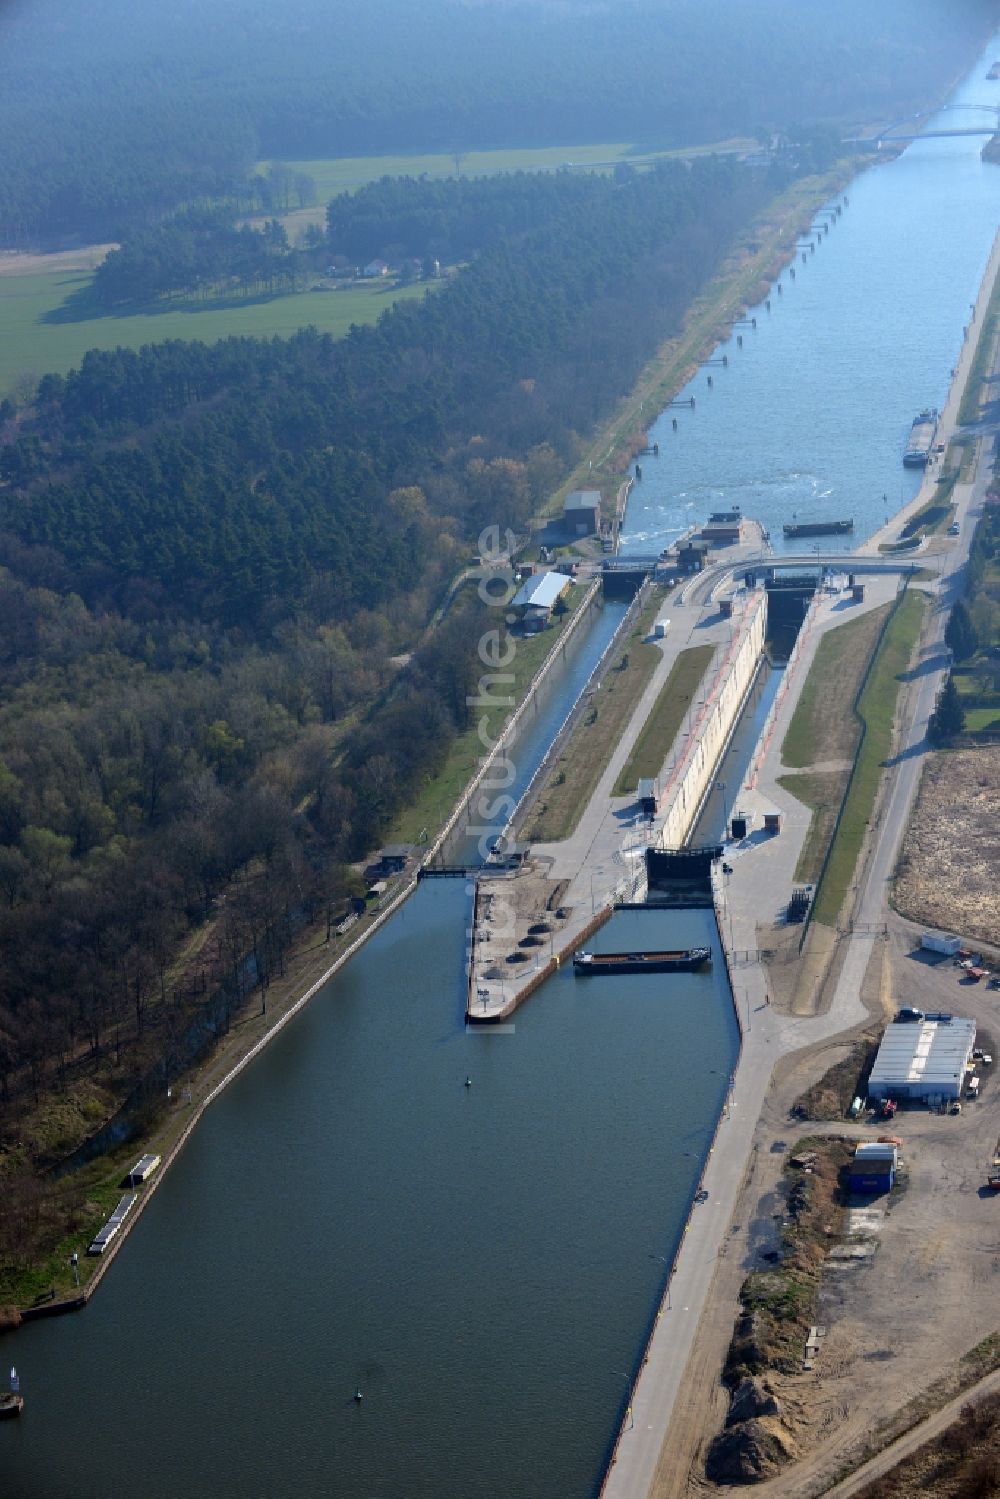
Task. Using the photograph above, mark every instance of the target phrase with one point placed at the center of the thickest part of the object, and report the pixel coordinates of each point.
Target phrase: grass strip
(877, 709)
(824, 726)
(823, 792)
(430, 810)
(50, 319)
(660, 729)
(574, 774)
(968, 410)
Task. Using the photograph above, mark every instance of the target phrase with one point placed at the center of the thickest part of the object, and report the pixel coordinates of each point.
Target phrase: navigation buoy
(468, 1082)
(358, 1397)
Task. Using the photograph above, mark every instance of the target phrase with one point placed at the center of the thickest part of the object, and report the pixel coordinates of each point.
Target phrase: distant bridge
(895, 132)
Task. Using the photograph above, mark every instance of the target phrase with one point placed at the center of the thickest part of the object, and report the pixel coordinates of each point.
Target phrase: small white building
(375, 268)
(536, 599)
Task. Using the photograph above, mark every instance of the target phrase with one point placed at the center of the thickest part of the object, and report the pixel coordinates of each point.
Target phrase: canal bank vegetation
(877, 712)
(976, 390)
(571, 781)
(973, 635)
(674, 701)
(822, 738)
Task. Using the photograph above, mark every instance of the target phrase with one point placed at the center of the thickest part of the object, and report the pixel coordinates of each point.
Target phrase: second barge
(684, 960)
(818, 528)
(921, 439)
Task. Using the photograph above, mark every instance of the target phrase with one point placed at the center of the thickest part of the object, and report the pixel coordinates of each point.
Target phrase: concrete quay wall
(689, 773)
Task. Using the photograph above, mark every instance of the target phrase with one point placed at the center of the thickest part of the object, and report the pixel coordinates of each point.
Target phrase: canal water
(811, 416)
(483, 1262)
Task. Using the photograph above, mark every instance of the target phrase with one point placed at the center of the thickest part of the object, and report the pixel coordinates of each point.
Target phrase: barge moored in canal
(818, 528)
(921, 439)
(684, 960)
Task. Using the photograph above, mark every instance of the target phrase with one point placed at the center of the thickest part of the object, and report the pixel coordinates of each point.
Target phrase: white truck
(940, 942)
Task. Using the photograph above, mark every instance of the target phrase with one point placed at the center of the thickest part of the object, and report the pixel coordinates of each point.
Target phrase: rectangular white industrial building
(925, 1059)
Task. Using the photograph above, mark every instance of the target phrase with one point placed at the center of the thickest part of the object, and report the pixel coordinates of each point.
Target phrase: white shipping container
(939, 942)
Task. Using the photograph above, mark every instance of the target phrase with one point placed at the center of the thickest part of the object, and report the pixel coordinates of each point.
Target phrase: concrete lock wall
(731, 676)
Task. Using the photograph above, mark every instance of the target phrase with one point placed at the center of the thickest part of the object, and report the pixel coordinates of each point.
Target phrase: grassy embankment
(969, 409)
(939, 511)
(573, 776)
(661, 727)
(877, 710)
(42, 336)
(421, 820)
(825, 730)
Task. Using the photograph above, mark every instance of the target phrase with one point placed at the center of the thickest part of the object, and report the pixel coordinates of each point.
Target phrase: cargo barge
(684, 960)
(921, 439)
(818, 528)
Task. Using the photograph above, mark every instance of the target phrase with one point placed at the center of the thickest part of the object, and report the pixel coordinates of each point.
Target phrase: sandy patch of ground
(21, 263)
(949, 871)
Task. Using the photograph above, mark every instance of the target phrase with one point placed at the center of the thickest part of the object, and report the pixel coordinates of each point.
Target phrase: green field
(338, 174)
(661, 727)
(36, 342)
(979, 719)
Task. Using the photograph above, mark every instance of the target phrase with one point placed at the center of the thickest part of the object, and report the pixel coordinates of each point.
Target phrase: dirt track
(18, 263)
(937, 1255)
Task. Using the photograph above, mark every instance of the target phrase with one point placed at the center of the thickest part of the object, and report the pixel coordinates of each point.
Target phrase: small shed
(142, 1169)
(393, 858)
(582, 512)
(772, 822)
(691, 556)
(649, 798)
(874, 1167)
(536, 598)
